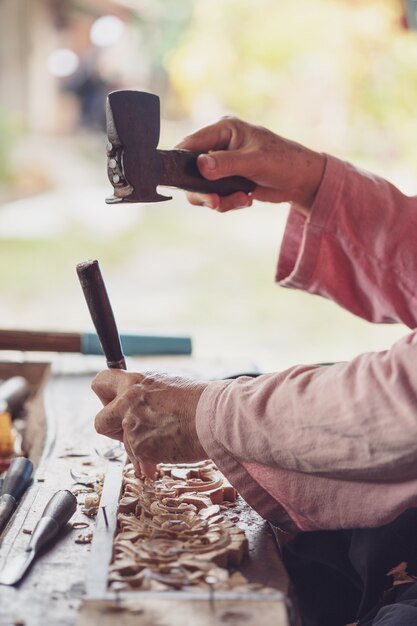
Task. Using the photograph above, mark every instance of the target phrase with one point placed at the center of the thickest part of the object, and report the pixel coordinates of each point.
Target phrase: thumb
(106, 384)
(223, 163)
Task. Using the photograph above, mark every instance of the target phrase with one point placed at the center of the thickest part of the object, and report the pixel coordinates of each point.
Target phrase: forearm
(357, 247)
(354, 420)
(310, 167)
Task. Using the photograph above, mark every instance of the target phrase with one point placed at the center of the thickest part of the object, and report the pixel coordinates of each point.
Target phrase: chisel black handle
(180, 169)
(98, 303)
(59, 510)
(17, 478)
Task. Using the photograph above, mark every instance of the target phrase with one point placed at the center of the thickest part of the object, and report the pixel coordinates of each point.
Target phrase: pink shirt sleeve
(309, 446)
(358, 247)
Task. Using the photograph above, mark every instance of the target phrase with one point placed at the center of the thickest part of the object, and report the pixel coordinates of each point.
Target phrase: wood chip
(84, 538)
(78, 525)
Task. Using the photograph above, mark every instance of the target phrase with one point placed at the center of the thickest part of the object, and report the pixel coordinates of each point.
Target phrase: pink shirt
(332, 447)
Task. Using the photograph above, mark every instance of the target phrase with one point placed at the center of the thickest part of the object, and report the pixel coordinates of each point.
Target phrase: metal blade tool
(17, 480)
(59, 510)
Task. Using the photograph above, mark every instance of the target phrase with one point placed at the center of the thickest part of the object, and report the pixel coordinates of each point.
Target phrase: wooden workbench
(64, 587)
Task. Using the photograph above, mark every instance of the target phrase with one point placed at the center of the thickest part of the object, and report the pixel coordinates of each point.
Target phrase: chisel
(13, 393)
(101, 312)
(59, 510)
(14, 485)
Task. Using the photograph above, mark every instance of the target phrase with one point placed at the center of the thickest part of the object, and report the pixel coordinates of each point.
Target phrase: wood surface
(150, 611)
(39, 341)
(65, 586)
(51, 593)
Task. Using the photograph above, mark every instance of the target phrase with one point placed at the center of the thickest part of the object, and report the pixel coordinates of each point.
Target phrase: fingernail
(209, 161)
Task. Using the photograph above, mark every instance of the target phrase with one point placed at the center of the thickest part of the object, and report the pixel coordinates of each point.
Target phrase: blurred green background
(337, 75)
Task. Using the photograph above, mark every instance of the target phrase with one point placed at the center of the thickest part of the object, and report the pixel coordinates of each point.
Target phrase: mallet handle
(179, 169)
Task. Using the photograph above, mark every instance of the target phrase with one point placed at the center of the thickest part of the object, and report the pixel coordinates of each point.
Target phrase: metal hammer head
(134, 166)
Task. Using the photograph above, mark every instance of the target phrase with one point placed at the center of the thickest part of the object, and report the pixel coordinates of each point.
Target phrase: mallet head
(134, 166)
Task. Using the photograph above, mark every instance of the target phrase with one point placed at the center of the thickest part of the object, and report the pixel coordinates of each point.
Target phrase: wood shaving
(77, 525)
(91, 502)
(73, 455)
(84, 538)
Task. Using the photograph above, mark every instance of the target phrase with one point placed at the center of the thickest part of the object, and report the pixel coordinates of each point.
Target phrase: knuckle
(149, 377)
(230, 118)
(97, 381)
(99, 423)
(128, 422)
(131, 397)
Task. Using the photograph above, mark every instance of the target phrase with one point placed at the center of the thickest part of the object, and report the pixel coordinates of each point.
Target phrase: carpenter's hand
(153, 414)
(283, 171)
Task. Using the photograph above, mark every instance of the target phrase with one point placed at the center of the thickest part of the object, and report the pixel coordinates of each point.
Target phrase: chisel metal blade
(8, 506)
(16, 569)
(15, 483)
(59, 510)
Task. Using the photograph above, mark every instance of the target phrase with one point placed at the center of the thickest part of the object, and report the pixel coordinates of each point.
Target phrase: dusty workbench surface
(52, 591)
(55, 588)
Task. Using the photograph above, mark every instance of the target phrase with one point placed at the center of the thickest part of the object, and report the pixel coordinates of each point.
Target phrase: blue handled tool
(88, 343)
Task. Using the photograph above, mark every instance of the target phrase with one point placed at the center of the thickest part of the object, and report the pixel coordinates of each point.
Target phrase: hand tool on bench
(136, 167)
(13, 393)
(98, 303)
(15, 483)
(59, 510)
(88, 343)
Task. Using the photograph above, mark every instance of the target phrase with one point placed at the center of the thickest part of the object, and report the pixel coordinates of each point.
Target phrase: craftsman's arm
(357, 247)
(324, 441)
(349, 236)
(310, 447)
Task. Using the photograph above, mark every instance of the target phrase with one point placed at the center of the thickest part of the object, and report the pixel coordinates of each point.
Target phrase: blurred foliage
(157, 25)
(161, 25)
(340, 75)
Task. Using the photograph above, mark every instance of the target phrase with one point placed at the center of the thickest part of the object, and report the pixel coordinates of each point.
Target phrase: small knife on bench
(16, 482)
(59, 510)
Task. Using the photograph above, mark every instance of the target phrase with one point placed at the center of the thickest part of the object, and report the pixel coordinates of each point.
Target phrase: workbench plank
(52, 591)
(163, 612)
